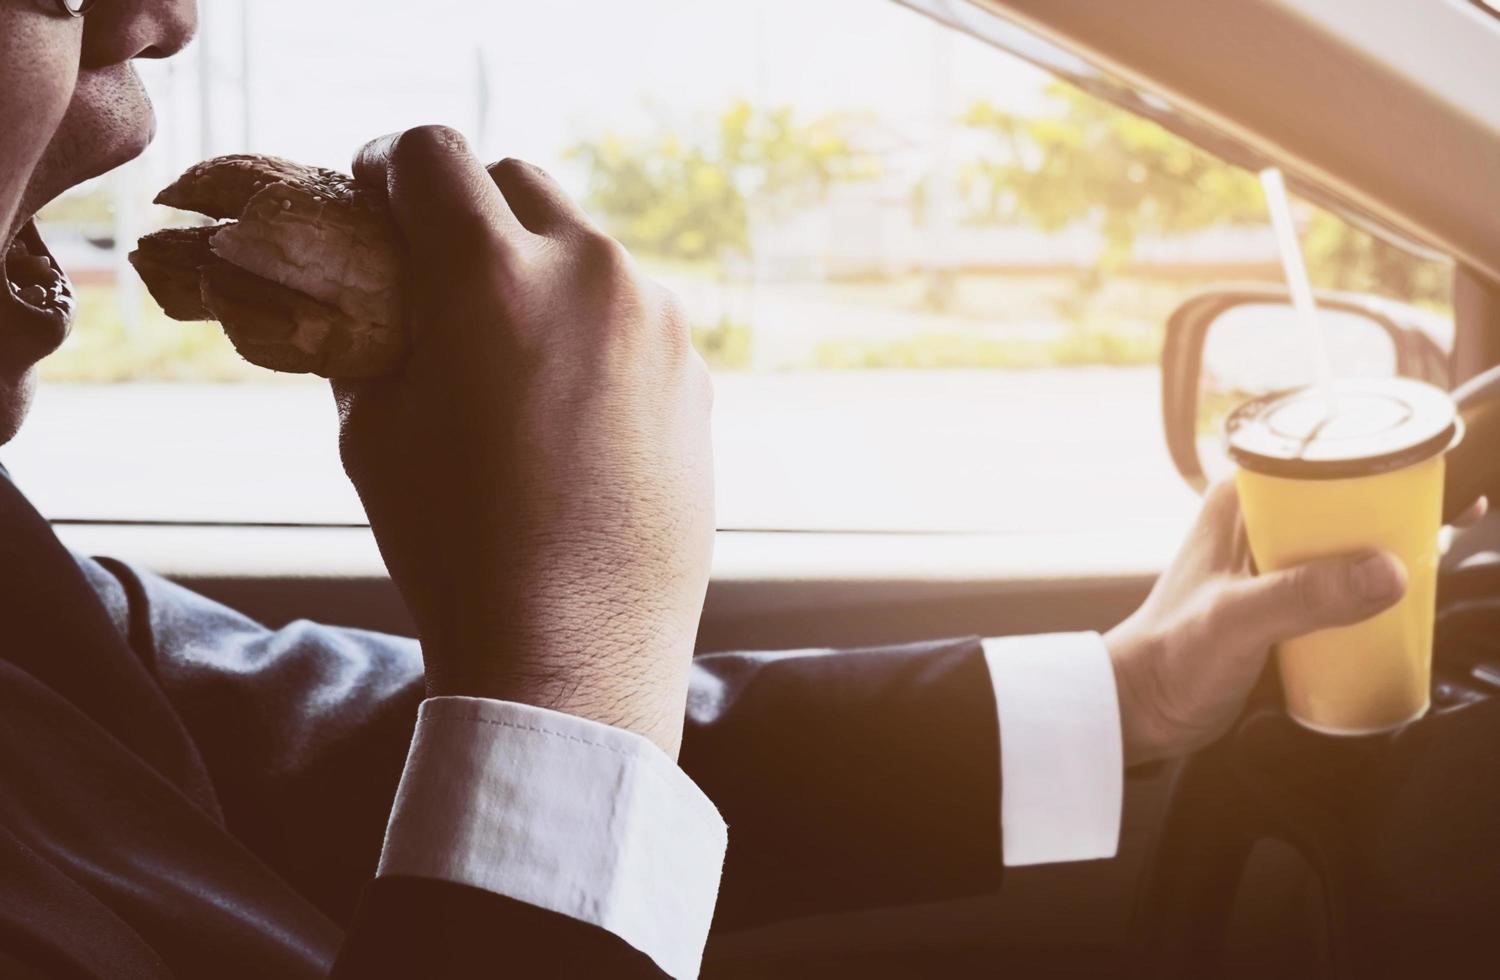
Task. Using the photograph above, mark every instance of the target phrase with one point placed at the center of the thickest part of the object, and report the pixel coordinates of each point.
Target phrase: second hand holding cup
(1336, 469)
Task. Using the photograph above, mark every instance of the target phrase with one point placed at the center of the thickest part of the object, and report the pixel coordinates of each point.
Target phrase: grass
(1085, 347)
(103, 350)
(1117, 324)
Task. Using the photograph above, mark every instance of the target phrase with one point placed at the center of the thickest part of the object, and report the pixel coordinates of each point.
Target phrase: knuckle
(1221, 504)
(703, 381)
(601, 255)
(507, 170)
(603, 271)
(1302, 591)
(1223, 494)
(1312, 590)
(673, 315)
(673, 329)
(422, 145)
(513, 167)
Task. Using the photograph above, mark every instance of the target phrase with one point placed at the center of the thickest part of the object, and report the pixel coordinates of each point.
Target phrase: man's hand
(1186, 660)
(539, 475)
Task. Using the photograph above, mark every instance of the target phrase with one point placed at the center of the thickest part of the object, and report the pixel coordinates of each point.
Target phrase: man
(184, 793)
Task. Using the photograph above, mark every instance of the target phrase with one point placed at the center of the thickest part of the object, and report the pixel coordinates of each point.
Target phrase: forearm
(873, 777)
(850, 779)
(424, 927)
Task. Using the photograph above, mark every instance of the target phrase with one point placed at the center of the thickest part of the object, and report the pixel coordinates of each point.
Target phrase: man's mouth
(36, 286)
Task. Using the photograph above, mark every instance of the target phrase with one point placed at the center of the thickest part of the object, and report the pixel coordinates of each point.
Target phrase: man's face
(71, 108)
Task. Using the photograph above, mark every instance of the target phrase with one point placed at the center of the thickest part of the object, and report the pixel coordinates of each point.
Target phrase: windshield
(928, 258)
(965, 16)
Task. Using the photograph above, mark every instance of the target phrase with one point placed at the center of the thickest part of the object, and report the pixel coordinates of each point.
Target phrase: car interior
(1382, 114)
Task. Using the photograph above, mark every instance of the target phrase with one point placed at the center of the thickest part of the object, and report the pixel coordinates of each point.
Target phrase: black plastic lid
(1359, 428)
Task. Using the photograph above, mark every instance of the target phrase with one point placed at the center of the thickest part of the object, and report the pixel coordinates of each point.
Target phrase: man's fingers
(1473, 515)
(1316, 595)
(537, 200)
(437, 191)
(1221, 502)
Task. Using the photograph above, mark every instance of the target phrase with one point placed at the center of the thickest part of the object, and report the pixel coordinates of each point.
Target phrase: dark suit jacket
(184, 793)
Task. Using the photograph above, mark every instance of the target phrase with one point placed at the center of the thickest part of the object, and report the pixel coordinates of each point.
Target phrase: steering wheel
(1367, 814)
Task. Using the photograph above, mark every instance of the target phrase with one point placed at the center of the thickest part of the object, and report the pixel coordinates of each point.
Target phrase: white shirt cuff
(562, 813)
(1061, 754)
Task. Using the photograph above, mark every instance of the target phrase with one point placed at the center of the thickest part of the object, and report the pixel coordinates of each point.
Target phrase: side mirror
(1232, 343)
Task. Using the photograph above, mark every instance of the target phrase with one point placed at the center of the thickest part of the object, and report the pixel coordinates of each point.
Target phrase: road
(1012, 451)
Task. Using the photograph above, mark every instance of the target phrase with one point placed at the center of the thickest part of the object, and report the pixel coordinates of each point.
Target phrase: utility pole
(246, 101)
(205, 81)
(763, 353)
(482, 99)
(940, 206)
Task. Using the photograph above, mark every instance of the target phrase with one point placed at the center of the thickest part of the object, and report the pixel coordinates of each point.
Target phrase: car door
(931, 280)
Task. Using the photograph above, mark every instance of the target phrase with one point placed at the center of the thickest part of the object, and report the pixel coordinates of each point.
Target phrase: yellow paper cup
(1323, 474)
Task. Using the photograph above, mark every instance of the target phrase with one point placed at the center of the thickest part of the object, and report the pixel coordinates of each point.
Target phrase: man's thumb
(1319, 594)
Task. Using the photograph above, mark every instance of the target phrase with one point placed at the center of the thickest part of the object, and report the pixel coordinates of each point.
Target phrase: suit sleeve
(872, 777)
(304, 729)
(513, 829)
(849, 779)
(410, 927)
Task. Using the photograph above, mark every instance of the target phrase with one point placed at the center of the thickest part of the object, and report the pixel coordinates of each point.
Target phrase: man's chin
(15, 400)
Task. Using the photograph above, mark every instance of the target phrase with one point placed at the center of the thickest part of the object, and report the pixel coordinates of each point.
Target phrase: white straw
(1296, 276)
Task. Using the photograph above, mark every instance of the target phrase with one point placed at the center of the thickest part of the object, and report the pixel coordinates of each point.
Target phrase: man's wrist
(606, 696)
(1130, 656)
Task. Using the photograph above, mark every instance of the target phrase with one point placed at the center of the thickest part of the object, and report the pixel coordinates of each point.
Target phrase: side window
(930, 280)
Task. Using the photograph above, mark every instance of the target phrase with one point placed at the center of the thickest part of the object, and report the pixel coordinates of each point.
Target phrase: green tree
(690, 197)
(1091, 161)
(1340, 256)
